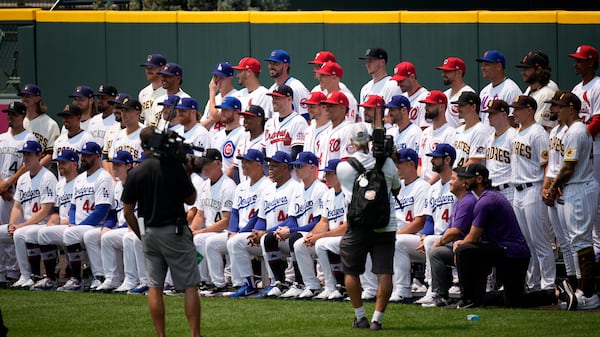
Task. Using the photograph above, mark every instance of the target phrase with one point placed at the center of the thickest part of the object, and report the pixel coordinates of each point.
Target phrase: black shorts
(356, 244)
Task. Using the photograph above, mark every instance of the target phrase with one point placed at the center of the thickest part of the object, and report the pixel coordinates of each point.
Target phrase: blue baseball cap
(187, 103)
(119, 98)
(30, 89)
(443, 150)
(279, 55)
(408, 154)
(154, 60)
(493, 56)
(83, 91)
(31, 146)
(91, 148)
(223, 69)
(280, 157)
(123, 157)
(397, 102)
(230, 102)
(171, 69)
(331, 165)
(253, 155)
(306, 158)
(67, 155)
(170, 101)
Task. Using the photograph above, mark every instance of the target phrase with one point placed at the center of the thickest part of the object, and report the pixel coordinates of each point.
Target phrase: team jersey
(283, 134)
(315, 140)
(214, 199)
(99, 125)
(439, 206)
(578, 148)
(334, 208)
(90, 191)
(589, 94)
(64, 195)
(75, 143)
(497, 157)
(10, 159)
(338, 144)
(506, 90)
(430, 138)
(311, 203)
(410, 202)
(147, 96)
(257, 97)
(129, 142)
(470, 143)
(33, 192)
(529, 154)
(408, 137)
(353, 114)
(109, 137)
(216, 127)
(384, 88)
(44, 129)
(278, 202)
(417, 109)
(542, 113)
(153, 117)
(196, 136)
(227, 142)
(244, 144)
(452, 109)
(556, 150)
(118, 205)
(300, 93)
(247, 200)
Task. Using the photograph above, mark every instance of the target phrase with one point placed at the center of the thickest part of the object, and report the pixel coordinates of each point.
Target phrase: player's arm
(220, 225)
(450, 235)
(214, 115)
(10, 181)
(198, 223)
(16, 216)
(474, 236)
(414, 226)
(338, 231)
(594, 125)
(565, 173)
(38, 216)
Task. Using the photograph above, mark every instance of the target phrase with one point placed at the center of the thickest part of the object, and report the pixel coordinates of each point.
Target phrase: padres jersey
(497, 157)
(10, 159)
(508, 90)
(247, 199)
(32, 192)
(470, 143)
(300, 93)
(214, 199)
(257, 97)
(216, 127)
(312, 203)
(64, 194)
(44, 129)
(278, 202)
(99, 125)
(556, 150)
(151, 118)
(452, 109)
(244, 144)
(410, 202)
(439, 206)
(334, 208)
(408, 137)
(578, 148)
(529, 155)
(417, 109)
(109, 137)
(75, 143)
(89, 191)
(430, 138)
(227, 142)
(338, 145)
(196, 136)
(283, 134)
(147, 96)
(129, 142)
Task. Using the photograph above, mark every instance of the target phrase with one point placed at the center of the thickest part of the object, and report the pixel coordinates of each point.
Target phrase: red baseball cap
(330, 68)
(453, 63)
(322, 57)
(316, 97)
(435, 97)
(373, 101)
(585, 52)
(403, 70)
(337, 97)
(248, 63)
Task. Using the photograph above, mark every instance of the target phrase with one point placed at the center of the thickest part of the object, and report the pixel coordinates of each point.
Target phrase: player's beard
(437, 168)
(431, 115)
(472, 186)
(447, 81)
(84, 166)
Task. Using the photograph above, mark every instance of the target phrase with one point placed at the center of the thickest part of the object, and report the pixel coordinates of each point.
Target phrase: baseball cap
(70, 110)
(373, 101)
(280, 157)
(524, 101)
(375, 53)
(443, 150)
(569, 99)
(229, 102)
(83, 91)
(453, 63)
(67, 155)
(91, 148)
(435, 97)
(282, 91)
(123, 157)
(556, 97)
(534, 59)
(154, 60)
(253, 155)
(585, 52)
(119, 98)
(31, 146)
(16, 107)
(468, 97)
(253, 110)
(331, 165)
(30, 89)
(248, 63)
(170, 101)
(211, 155)
(474, 170)
(171, 69)
(337, 97)
(279, 55)
(187, 103)
(359, 133)
(130, 103)
(322, 57)
(330, 68)
(397, 102)
(306, 158)
(223, 69)
(403, 70)
(106, 90)
(408, 154)
(316, 97)
(493, 56)
(496, 106)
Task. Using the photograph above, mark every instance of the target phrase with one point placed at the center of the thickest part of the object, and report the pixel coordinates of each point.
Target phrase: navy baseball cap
(70, 110)
(230, 102)
(474, 170)
(443, 150)
(107, 90)
(280, 157)
(83, 91)
(123, 157)
(67, 155)
(279, 55)
(16, 108)
(493, 56)
(119, 98)
(282, 91)
(31, 146)
(408, 154)
(30, 89)
(306, 158)
(223, 69)
(253, 155)
(171, 69)
(254, 111)
(91, 148)
(397, 102)
(154, 60)
(331, 165)
(170, 101)
(187, 103)
(141, 158)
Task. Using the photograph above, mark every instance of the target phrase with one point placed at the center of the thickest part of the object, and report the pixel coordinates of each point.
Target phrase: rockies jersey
(129, 142)
(75, 143)
(152, 118)
(452, 109)
(99, 125)
(417, 109)
(214, 199)
(257, 97)
(311, 204)
(408, 137)
(244, 144)
(278, 202)
(430, 138)
(147, 96)
(507, 91)
(556, 150)
(283, 134)
(109, 137)
(439, 206)
(64, 195)
(529, 154)
(338, 145)
(10, 159)
(300, 93)
(497, 157)
(247, 200)
(44, 129)
(33, 192)
(334, 208)
(470, 143)
(410, 202)
(89, 191)
(578, 148)
(196, 136)
(227, 142)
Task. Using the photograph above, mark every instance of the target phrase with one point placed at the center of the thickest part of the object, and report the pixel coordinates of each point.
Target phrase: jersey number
(251, 214)
(446, 215)
(13, 167)
(35, 207)
(281, 216)
(87, 207)
(409, 217)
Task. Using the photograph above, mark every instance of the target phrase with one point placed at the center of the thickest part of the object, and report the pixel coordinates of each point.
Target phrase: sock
(377, 316)
(360, 312)
(572, 279)
(336, 267)
(249, 281)
(49, 255)
(74, 254)
(587, 266)
(274, 257)
(34, 257)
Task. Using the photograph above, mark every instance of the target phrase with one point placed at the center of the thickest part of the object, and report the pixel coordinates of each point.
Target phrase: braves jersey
(44, 129)
(196, 136)
(283, 134)
(452, 109)
(109, 137)
(10, 159)
(339, 144)
(278, 202)
(64, 194)
(311, 203)
(216, 127)
(417, 109)
(152, 118)
(497, 157)
(556, 150)
(227, 142)
(408, 137)
(300, 94)
(89, 191)
(244, 144)
(214, 199)
(410, 202)
(334, 208)
(129, 142)
(247, 200)
(439, 206)
(529, 154)
(430, 138)
(470, 143)
(542, 113)
(33, 192)
(99, 125)
(507, 91)
(147, 96)
(75, 143)
(257, 97)
(578, 148)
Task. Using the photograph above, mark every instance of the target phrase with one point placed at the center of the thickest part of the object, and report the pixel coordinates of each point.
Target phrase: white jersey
(98, 126)
(247, 200)
(316, 140)
(334, 208)
(152, 118)
(430, 138)
(300, 94)
(129, 142)
(317, 87)
(91, 191)
(196, 136)
(257, 97)
(417, 109)
(339, 144)
(75, 143)
(439, 205)
(244, 144)
(44, 129)
(282, 135)
(506, 90)
(311, 203)
(470, 143)
(452, 109)
(216, 127)
(529, 154)
(109, 137)
(578, 148)
(384, 88)
(410, 202)
(33, 192)
(214, 199)
(64, 195)
(278, 202)
(10, 159)
(227, 143)
(556, 150)
(147, 97)
(542, 113)
(118, 205)
(589, 94)
(409, 137)
(497, 157)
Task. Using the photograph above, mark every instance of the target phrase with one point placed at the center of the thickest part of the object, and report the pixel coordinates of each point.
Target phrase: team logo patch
(545, 154)
(569, 152)
(228, 149)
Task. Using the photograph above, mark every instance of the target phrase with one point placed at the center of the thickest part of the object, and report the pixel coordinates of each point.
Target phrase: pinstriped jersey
(129, 142)
(32, 192)
(196, 136)
(147, 96)
(497, 157)
(90, 191)
(278, 202)
(529, 154)
(578, 148)
(410, 202)
(452, 109)
(470, 143)
(334, 208)
(10, 159)
(247, 199)
(214, 199)
(556, 150)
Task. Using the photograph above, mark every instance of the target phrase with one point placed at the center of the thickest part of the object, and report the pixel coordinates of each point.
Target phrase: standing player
(105, 117)
(83, 97)
(220, 86)
(453, 72)
(253, 92)
(338, 145)
(316, 133)
(128, 138)
(330, 75)
(254, 124)
(75, 137)
(227, 140)
(286, 132)
(189, 127)
(375, 61)
(279, 69)
(470, 140)
(405, 74)
(154, 90)
(171, 76)
(406, 134)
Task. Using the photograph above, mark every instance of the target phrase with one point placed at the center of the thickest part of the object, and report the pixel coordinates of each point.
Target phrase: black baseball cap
(375, 53)
(16, 107)
(70, 110)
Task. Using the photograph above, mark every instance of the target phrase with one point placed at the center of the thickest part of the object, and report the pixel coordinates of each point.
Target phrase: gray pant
(442, 261)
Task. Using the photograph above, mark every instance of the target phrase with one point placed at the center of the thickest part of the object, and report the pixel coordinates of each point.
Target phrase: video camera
(169, 145)
(383, 145)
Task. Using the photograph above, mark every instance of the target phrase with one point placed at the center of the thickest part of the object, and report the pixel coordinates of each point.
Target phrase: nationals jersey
(10, 159)
(44, 129)
(90, 191)
(556, 150)
(257, 97)
(470, 143)
(226, 141)
(408, 137)
(214, 199)
(452, 109)
(315, 140)
(417, 109)
(439, 206)
(197, 136)
(75, 143)
(129, 142)
(529, 154)
(33, 192)
(246, 200)
(283, 134)
(430, 138)
(312, 203)
(278, 203)
(147, 96)
(98, 126)
(338, 144)
(64, 194)
(334, 208)
(410, 202)
(497, 157)
(506, 90)
(578, 148)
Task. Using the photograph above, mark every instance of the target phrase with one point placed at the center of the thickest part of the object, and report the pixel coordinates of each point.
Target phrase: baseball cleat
(245, 290)
(44, 284)
(139, 290)
(586, 303)
(72, 285)
(293, 292)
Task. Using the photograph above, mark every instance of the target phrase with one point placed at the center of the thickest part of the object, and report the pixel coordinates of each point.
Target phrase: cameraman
(160, 188)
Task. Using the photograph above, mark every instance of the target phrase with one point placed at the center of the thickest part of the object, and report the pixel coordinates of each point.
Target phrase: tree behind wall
(208, 5)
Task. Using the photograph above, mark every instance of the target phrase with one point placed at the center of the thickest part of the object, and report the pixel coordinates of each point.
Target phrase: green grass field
(52, 314)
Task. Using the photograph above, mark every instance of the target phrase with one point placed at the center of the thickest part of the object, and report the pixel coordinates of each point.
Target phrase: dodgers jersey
(64, 194)
(10, 159)
(89, 191)
(283, 134)
(410, 202)
(310, 206)
(32, 192)
(216, 127)
(334, 208)
(278, 202)
(529, 154)
(470, 143)
(75, 143)
(247, 200)
(497, 157)
(196, 136)
(244, 144)
(214, 199)
(439, 206)
(408, 137)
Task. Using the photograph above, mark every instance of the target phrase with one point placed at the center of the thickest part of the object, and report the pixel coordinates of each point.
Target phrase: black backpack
(370, 204)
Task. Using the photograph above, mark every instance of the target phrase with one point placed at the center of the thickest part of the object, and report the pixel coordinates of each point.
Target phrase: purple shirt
(462, 214)
(494, 214)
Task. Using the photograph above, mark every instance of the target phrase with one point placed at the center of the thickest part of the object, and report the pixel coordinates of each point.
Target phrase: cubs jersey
(529, 154)
(497, 157)
(578, 148)
(227, 142)
(410, 202)
(129, 142)
(44, 129)
(247, 200)
(109, 137)
(283, 134)
(216, 127)
(64, 194)
(439, 206)
(75, 143)
(152, 118)
(257, 97)
(470, 143)
(417, 109)
(430, 138)
(99, 125)
(300, 93)
(278, 202)
(312, 203)
(507, 91)
(408, 137)
(556, 150)
(214, 199)
(334, 208)
(10, 159)
(196, 136)
(33, 192)
(89, 191)
(452, 109)
(147, 96)
(338, 145)
(244, 144)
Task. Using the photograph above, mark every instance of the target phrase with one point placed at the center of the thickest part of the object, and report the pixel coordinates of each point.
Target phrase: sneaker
(19, 282)
(294, 291)
(335, 295)
(72, 285)
(417, 286)
(367, 296)
(139, 290)
(375, 326)
(323, 295)
(173, 292)
(491, 283)
(427, 298)
(105, 287)
(277, 290)
(567, 295)
(436, 301)
(465, 304)
(454, 290)
(396, 298)
(95, 283)
(44, 284)
(123, 289)
(308, 293)
(586, 303)
(212, 291)
(27, 284)
(245, 290)
(362, 323)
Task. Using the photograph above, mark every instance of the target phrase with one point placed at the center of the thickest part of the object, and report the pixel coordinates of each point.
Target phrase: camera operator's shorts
(356, 244)
(163, 249)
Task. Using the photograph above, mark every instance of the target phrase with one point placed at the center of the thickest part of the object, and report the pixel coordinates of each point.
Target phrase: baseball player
(154, 90)
(228, 138)
(315, 136)
(189, 127)
(74, 137)
(219, 87)
(254, 123)
(470, 140)
(405, 74)
(112, 132)
(406, 134)
(330, 75)
(286, 132)
(128, 139)
(83, 97)
(279, 69)
(105, 118)
(253, 92)
(338, 145)
(321, 58)
(453, 72)
(172, 78)
(375, 61)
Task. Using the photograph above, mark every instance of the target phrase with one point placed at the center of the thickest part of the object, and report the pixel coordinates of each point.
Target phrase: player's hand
(212, 86)
(104, 230)
(253, 239)
(282, 233)
(455, 245)
(436, 243)
(4, 186)
(7, 195)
